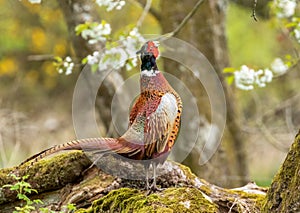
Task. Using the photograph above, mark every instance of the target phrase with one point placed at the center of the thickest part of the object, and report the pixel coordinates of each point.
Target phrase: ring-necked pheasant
(154, 121)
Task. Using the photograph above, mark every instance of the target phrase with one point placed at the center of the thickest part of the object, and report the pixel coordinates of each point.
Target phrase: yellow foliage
(8, 66)
(38, 39)
(49, 13)
(32, 8)
(32, 77)
(49, 69)
(60, 47)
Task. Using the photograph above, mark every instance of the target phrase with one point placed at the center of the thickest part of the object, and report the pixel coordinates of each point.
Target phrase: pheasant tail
(90, 144)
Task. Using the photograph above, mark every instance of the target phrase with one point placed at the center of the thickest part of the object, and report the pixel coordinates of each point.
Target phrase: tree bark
(283, 195)
(206, 31)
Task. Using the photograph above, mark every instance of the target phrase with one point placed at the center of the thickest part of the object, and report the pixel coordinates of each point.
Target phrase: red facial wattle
(152, 48)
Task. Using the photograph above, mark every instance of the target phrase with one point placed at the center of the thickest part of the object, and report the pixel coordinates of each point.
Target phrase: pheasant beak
(139, 52)
(142, 50)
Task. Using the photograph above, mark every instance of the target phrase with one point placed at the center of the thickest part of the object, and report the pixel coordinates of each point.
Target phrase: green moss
(170, 200)
(187, 171)
(283, 195)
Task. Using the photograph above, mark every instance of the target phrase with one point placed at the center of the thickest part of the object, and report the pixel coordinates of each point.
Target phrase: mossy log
(67, 178)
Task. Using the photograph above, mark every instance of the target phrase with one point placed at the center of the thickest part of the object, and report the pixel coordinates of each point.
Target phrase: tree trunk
(283, 195)
(78, 12)
(206, 31)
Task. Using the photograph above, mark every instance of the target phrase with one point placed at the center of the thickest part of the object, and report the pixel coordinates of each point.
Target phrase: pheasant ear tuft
(156, 43)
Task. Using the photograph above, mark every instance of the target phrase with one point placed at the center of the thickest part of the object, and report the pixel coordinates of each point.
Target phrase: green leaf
(58, 59)
(84, 60)
(38, 201)
(15, 187)
(34, 190)
(291, 24)
(21, 196)
(44, 210)
(25, 184)
(14, 176)
(27, 207)
(71, 206)
(25, 177)
(288, 57)
(81, 27)
(27, 190)
(230, 79)
(229, 70)
(7, 185)
(289, 64)
(103, 22)
(94, 68)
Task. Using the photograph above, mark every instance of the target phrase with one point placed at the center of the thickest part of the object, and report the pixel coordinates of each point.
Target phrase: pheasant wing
(159, 124)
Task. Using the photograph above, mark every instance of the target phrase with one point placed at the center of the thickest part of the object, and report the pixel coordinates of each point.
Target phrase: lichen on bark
(284, 193)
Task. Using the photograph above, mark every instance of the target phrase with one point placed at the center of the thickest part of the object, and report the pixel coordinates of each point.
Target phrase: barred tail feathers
(90, 144)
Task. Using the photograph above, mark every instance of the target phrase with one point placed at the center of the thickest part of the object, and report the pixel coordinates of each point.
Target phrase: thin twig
(233, 204)
(144, 13)
(46, 57)
(185, 20)
(182, 24)
(152, 10)
(253, 10)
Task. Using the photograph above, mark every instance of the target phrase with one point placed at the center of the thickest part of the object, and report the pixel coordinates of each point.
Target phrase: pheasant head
(149, 53)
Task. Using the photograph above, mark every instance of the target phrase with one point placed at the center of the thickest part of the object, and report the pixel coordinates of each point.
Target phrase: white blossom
(268, 76)
(118, 56)
(247, 78)
(35, 1)
(68, 59)
(263, 76)
(278, 67)
(286, 8)
(131, 44)
(93, 59)
(97, 33)
(66, 66)
(296, 32)
(111, 4)
(113, 58)
(69, 69)
(244, 78)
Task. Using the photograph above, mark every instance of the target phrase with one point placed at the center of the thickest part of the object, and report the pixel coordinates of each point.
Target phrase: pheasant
(154, 121)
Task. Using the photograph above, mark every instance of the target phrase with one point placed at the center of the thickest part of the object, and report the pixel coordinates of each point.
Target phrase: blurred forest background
(36, 101)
